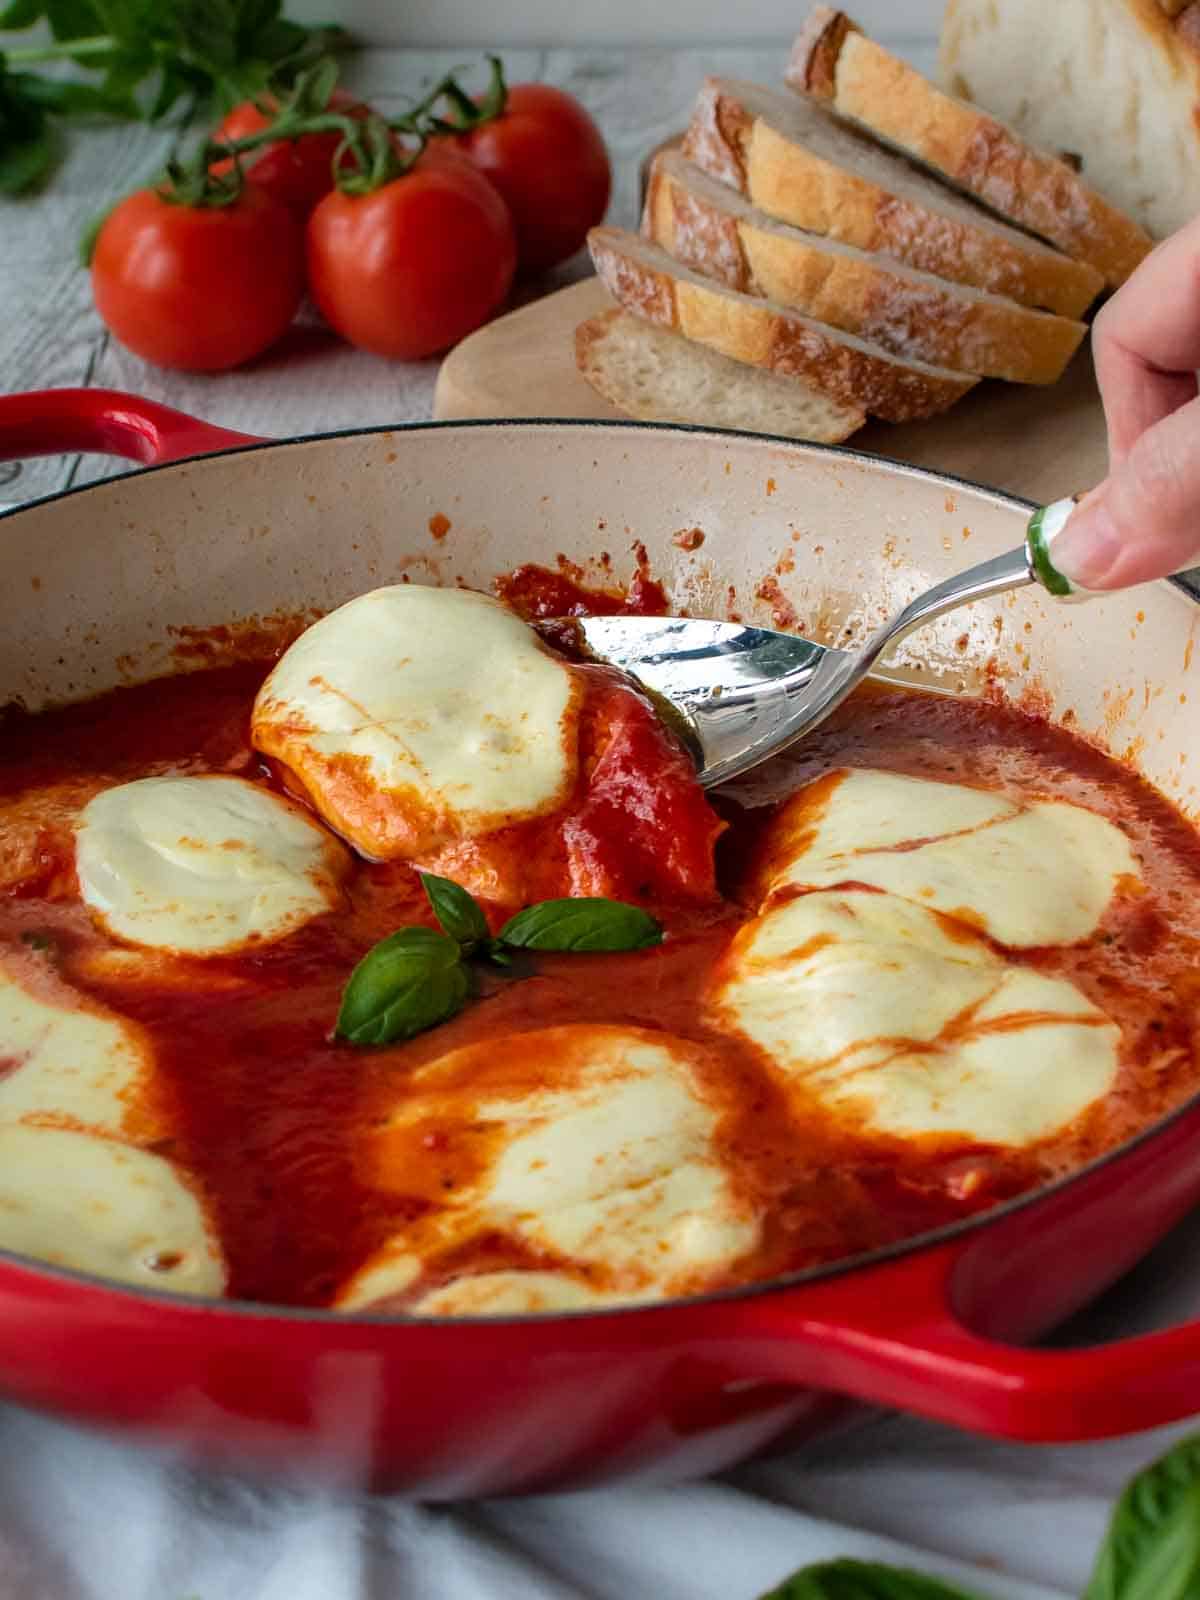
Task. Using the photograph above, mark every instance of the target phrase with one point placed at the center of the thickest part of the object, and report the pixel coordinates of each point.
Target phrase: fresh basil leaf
(172, 86)
(410, 981)
(276, 38)
(456, 910)
(863, 1580)
(581, 925)
(91, 232)
(25, 162)
(1152, 1548)
(28, 144)
(68, 97)
(74, 19)
(20, 14)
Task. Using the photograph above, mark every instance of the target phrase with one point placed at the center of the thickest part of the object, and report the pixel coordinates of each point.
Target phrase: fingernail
(1089, 548)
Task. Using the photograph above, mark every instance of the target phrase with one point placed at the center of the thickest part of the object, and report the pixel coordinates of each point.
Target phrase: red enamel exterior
(448, 1410)
(105, 422)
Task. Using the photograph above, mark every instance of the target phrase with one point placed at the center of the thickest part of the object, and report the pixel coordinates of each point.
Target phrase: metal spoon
(739, 695)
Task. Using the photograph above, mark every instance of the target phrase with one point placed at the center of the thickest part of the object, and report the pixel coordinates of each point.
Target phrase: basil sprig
(1152, 1548)
(410, 981)
(459, 913)
(1150, 1552)
(581, 925)
(863, 1580)
(417, 977)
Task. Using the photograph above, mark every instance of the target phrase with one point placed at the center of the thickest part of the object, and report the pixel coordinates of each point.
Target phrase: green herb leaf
(410, 981)
(863, 1580)
(214, 51)
(20, 14)
(26, 159)
(91, 232)
(456, 910)
(1152, 1548)
(581, 925)
(28, 146)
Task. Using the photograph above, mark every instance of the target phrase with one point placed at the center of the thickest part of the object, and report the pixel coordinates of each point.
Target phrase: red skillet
(120, 572)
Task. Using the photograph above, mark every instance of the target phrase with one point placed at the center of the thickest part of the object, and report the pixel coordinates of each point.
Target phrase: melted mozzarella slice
(62, 1060)
(481, 1294)
(585, 1142)
(203, 866)
(888, 1014)
(513, 1294)
(99, 1206)
(415, 717)
(1037, 874)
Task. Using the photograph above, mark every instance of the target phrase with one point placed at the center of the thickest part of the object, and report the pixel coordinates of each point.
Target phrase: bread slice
(835, 62)
(790, 158)
(762, 333)
(663, 377)
(711, 227)
(1115, 84)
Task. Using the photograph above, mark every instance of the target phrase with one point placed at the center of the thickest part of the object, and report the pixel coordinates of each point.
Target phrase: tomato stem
(464, 112)
(370, 153)
(367, 155)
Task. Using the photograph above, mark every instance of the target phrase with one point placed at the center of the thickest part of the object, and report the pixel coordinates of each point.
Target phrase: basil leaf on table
(863, 1580)
(458, 912)
(1152, 1548)
(581, 925)
(28, 146)
(408, 982)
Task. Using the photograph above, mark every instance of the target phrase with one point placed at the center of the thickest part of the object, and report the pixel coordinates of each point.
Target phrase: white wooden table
(50, 335)
(1025, 1521)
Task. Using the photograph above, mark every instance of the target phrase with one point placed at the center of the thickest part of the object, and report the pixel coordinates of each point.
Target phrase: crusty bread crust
(646, 281)
(710, 227)
(793, 183)
(834, 61)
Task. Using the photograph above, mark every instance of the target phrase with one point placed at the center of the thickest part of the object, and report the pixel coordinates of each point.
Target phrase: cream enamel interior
(842, 540)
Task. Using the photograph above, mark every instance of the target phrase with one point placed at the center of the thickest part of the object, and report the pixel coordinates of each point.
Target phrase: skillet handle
(892, 1336)
(49, 422)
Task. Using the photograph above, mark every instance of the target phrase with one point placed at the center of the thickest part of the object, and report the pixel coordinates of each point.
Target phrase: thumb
(1143, 521)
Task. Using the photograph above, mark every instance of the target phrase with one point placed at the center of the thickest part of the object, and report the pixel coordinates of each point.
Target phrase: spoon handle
(997, 576)
(1029, 563)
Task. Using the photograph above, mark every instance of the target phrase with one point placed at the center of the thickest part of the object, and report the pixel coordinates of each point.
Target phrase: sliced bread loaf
(790, 158)
(715, 229)
(1117, 84)
(662, 377)
(835, 62)
(650, 283)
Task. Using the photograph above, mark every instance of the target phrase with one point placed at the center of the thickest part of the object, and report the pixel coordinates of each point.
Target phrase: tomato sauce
(270, 1114)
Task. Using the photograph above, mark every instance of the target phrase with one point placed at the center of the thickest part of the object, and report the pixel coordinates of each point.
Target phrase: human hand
(1143, 521)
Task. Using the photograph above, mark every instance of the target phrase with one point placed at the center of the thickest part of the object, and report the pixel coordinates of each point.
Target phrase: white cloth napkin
(85, 1518)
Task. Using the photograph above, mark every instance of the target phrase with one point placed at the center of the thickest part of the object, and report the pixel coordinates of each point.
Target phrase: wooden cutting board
(1041, 443)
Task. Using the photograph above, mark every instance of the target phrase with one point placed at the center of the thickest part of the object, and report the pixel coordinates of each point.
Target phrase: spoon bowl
(738, 695)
